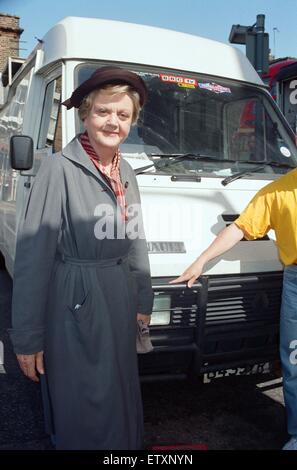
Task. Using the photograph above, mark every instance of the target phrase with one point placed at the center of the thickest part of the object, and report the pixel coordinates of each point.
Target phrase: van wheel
(2, 262)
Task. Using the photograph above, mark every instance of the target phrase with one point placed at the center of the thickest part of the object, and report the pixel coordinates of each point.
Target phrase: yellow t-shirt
(274, 207)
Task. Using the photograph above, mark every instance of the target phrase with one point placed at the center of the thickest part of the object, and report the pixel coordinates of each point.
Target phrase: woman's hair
(88, 100)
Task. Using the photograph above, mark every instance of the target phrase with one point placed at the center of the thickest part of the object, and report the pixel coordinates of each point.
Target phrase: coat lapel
(75, 152)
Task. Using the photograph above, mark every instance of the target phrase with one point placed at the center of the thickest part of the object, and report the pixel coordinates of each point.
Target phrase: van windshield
(234, 123)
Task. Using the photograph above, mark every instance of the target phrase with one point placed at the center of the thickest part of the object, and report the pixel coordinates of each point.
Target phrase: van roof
(91, 38)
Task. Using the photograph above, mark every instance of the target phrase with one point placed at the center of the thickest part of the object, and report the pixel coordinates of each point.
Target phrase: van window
(219, 126)
(51, 125)
(252, 134)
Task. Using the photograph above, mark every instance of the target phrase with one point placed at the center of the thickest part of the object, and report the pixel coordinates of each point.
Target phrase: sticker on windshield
(285, 151)
(184, 82)
(214, 87)
(186, 85)
(146, 74)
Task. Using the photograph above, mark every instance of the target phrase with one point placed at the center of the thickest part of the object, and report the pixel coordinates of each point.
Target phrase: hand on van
(223, 242)
(31, 364)
(190, 274)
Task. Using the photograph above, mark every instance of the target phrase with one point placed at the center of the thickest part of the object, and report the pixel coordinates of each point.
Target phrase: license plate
(250, 369)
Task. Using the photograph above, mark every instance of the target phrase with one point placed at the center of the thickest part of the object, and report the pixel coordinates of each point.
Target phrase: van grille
(185, 303)
(245, 300)
(184, 309)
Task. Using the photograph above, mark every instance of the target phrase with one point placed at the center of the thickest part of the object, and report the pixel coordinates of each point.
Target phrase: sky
(208, 18)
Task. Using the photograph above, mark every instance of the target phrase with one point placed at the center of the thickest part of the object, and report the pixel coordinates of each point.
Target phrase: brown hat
(107, 75)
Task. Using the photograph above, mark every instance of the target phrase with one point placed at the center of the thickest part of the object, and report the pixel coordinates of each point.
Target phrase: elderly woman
(82, 277)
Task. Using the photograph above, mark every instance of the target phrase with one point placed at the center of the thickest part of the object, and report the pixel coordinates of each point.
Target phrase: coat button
(119, 261)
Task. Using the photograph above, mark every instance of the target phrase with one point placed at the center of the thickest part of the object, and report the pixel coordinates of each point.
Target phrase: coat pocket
(80, 309)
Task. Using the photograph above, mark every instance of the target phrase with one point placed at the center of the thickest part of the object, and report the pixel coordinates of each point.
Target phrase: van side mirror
(21, 152)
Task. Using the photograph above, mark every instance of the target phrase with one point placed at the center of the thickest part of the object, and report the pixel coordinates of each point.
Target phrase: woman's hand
(145, 318)
(30, 363)
(190, 274)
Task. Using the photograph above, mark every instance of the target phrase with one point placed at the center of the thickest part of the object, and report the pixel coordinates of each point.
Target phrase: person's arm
(224, 241)
(254, 222)
(35, 253)
(139, 267)
(139, 264)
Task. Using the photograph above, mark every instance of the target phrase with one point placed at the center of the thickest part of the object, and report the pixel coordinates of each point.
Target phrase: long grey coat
(76, 296)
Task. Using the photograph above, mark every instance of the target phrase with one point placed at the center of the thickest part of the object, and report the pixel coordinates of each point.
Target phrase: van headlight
(161, 310)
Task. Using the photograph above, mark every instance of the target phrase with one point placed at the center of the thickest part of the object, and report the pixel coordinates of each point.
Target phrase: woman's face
(109, 120)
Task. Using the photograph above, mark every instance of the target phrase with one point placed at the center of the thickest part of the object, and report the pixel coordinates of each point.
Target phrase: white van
(208, 139)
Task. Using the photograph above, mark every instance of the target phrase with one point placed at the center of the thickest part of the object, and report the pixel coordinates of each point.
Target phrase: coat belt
(101, 263)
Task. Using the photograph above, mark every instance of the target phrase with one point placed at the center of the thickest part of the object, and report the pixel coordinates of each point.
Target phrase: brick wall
(9, 38)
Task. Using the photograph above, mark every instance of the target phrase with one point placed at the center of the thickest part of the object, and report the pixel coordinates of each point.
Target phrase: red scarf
(114, 178)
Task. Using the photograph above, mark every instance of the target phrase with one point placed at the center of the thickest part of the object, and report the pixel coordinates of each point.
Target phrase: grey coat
(76, 296)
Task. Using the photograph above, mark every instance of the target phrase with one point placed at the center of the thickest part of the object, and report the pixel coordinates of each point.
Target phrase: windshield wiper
(177, 157)
(240, 174)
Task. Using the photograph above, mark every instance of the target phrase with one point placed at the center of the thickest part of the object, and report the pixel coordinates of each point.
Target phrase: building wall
(9, 38)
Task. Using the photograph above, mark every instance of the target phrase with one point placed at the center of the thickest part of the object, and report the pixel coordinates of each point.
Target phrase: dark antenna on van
(256, 41)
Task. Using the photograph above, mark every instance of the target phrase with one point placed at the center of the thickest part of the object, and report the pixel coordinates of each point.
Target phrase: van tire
(2, 262)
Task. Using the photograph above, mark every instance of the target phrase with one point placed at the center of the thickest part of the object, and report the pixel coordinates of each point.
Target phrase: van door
(47, 133)
(11, 123)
